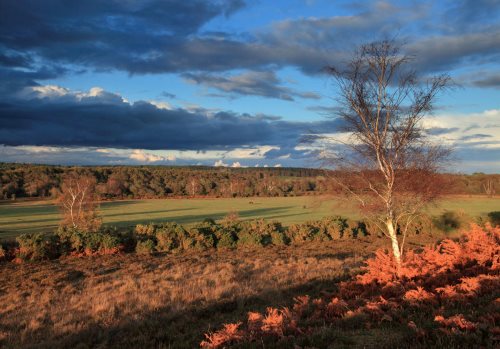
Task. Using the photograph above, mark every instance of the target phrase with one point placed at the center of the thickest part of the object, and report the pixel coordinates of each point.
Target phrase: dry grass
(165, 301)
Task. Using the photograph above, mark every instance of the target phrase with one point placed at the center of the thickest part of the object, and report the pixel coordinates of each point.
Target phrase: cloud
(256, 83)
(53, 116)
(489, 80)
(142, 156)
(170, 37)
(220, 163)
(168, 95)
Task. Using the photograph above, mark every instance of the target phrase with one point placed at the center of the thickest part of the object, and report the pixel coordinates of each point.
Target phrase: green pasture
(23, 217)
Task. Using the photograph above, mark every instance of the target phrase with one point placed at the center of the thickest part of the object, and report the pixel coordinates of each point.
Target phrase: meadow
(41, 216)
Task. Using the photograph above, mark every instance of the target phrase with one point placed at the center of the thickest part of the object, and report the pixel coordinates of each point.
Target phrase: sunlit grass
(19, 217)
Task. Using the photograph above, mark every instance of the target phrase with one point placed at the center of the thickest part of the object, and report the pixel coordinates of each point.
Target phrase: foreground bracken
(446, 295)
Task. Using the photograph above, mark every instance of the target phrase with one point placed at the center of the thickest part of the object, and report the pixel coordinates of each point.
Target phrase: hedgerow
(230, 232)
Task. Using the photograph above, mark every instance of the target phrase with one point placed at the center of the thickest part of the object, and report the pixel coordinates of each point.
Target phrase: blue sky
(226, 82)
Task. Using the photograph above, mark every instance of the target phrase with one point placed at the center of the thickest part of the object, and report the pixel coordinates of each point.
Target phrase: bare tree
(385, 159)
(489, 188)
(78, 202)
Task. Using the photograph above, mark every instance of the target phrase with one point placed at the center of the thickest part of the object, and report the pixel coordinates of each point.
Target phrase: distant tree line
(138, 182)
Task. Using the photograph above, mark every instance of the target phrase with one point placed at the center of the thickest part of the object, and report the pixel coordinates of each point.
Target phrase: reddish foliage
(456, 322)
(450, 272)
(418, 295)
(230, 333)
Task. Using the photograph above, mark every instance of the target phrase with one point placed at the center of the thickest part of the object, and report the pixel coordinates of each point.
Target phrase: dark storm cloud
(437, 131)
(255, 83)
(489, 80)
(57, 117)
(134, 36)
(448, 52)
(167, 36)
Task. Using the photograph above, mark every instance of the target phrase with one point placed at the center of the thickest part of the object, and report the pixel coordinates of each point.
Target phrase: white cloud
(162, 105)
(47, 91)
(39, 149)
(142, 156)
(478, 130)
(220, 163)
(94, 94)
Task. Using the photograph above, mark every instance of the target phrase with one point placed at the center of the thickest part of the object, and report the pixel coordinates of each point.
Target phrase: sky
(227, 83)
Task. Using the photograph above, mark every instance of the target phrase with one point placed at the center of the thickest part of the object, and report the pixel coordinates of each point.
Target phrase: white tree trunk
(394, 242)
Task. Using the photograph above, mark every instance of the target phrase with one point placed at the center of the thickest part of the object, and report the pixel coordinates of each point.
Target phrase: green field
(22, 217)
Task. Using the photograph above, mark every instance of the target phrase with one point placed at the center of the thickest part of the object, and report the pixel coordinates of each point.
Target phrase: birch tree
(78, 202)
(386, 159)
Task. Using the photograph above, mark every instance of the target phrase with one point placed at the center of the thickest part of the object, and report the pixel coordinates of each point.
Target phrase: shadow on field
(130, 213)
(183, 219)
(165, 328)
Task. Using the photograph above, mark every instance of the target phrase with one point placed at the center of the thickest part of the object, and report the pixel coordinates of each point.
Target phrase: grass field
(39, 216)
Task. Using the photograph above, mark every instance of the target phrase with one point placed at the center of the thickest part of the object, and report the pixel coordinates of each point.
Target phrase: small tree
(77, 202)
(489, 188)
(386, 161)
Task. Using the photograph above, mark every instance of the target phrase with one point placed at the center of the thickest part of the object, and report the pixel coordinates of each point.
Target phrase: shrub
(226, 239)
(203, 234)
(335, 226)
(110, 242)
(302, 232)
(71, 240)
(331, 228)
(279, 238)
(246, 238)
(74, 241)
(230, 220)
(170, 237)
(494, 218)
(145, 247)
(145, 229)
(259, 233)
(38, 246)
(447, 221)
(355, 229)
(3, 253)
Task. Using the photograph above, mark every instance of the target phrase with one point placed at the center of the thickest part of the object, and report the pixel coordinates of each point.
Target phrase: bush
(145, 247)
(335, 227)
(302, 232)
(246, 238)
(355, 229)
(203, 235)
(145, 229)
(331, 228)
(226, 239)
(261, 233)
(3, 253)
(232, 219)
(494, 218)
(448, 221)
(109, 242)
(171, 236)
(38, 246)
(76, 241)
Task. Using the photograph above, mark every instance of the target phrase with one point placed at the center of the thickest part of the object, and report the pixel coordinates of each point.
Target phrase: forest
(146, 182)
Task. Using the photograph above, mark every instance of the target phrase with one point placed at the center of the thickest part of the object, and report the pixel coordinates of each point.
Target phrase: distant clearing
(39, 216)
